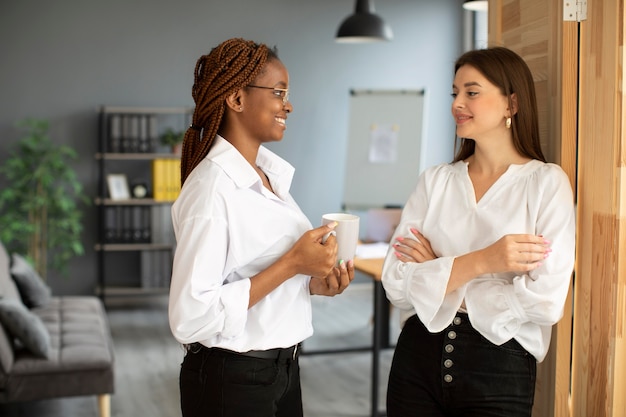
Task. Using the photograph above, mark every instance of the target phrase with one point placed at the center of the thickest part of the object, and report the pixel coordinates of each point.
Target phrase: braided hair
(230, 66)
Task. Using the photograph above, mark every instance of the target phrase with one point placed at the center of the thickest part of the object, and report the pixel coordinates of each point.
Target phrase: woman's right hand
(310, 256)
(511, 253)
(518, 252)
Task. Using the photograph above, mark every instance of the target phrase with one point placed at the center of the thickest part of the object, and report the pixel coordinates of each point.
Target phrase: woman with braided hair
(247, 259)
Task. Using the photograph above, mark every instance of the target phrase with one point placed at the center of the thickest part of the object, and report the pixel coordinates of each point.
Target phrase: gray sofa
(51, 346)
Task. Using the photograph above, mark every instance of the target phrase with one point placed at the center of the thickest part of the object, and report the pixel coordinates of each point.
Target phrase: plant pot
(177, 149)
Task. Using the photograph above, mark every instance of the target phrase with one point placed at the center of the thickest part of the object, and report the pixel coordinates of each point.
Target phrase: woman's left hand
(414, 250)
(335, 282)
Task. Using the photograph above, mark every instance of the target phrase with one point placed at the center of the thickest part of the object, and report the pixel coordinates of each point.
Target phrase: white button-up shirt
(533, 198)
(228, 228)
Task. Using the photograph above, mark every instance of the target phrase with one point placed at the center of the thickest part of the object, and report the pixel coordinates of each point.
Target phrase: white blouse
(229, 227)
(533, 198)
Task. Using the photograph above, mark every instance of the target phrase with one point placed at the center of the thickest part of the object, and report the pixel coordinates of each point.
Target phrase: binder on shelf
(115, 133)
(153, 131)
(144, 138)
(165, 179)
(111, 224)
(137, 224)
(162, 228)
(125, 138)
(173, 179)
(133, 139)
(170, 180)
(147, 270)
(159, 178)
(177, 177)
(127, 224)
(146, 224)
(166, 268)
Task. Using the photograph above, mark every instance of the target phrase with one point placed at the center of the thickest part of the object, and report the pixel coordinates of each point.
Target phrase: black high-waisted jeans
(458, 372)
(219, 383)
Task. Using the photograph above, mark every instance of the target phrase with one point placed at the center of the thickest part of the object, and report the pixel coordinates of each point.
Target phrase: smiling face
(265, 108)
(479, 107)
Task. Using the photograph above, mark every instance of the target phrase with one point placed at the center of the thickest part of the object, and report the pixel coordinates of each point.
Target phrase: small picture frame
(118, 187)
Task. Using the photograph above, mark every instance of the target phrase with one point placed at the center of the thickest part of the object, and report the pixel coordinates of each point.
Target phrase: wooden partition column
(598, 365)
(579, 70)
(535, 30)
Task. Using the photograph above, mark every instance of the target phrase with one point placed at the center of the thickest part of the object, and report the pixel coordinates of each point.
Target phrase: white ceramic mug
(346, 232)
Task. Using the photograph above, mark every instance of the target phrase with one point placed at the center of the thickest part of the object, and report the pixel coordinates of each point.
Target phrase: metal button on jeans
(457, 320)
(449, 348)
(452, 334)
(447, 378)
(448, 363)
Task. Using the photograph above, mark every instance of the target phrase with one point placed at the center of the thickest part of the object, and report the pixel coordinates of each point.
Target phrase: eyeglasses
(283, 93)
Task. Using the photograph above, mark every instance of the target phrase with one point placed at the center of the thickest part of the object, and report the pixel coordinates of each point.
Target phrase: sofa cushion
(34, 292)
(25, 326)
(7, 357)
(8, 289)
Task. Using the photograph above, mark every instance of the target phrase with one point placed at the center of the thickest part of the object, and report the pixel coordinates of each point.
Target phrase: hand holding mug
(346, 232)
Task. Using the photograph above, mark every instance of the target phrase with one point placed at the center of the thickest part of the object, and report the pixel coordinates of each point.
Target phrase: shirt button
(447, 378)
(457, 320)
(452, 334)
(448, 363)
(449, 348)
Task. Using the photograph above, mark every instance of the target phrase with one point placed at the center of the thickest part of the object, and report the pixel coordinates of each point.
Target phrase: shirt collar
(279, 171)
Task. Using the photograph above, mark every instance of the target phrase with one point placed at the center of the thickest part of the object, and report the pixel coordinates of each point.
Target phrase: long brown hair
(230, 66)
(508, 71)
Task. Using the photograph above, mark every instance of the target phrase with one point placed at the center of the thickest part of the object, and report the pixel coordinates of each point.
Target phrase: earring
(240, 108)
(508, 123)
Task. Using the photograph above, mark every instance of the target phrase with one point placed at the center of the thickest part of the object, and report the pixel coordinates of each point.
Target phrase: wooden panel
(593, 153)
(567, 108)
(598, 371)
(525, 28)
(534, 29)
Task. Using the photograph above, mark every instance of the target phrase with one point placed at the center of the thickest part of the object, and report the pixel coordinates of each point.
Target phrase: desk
(374, 268)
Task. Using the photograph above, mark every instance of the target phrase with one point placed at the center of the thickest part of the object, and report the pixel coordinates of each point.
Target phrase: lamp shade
(363, 26)
(476, 5)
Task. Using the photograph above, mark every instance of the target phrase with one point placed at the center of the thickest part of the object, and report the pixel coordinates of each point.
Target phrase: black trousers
(219, 383)
(458, 372)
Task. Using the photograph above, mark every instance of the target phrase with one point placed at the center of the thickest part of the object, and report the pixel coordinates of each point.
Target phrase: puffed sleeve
(421, 287)
(202, 306)
(499, 309)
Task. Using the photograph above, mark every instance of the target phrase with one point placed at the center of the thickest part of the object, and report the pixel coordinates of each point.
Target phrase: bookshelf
(138, 179)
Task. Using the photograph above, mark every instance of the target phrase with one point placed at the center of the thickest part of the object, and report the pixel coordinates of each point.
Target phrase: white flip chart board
(384, 147)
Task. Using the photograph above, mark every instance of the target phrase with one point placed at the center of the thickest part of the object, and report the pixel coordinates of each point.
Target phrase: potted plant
(39, 202)
(173, 139)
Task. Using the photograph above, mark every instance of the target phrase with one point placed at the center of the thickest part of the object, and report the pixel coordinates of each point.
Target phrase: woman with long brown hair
(247, 259)
(482, 258)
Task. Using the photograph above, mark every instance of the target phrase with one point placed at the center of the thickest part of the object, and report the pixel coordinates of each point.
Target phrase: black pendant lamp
(476, 5)
(363, 26)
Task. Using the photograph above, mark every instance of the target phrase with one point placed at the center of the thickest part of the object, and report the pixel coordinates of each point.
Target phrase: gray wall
(60, 60)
